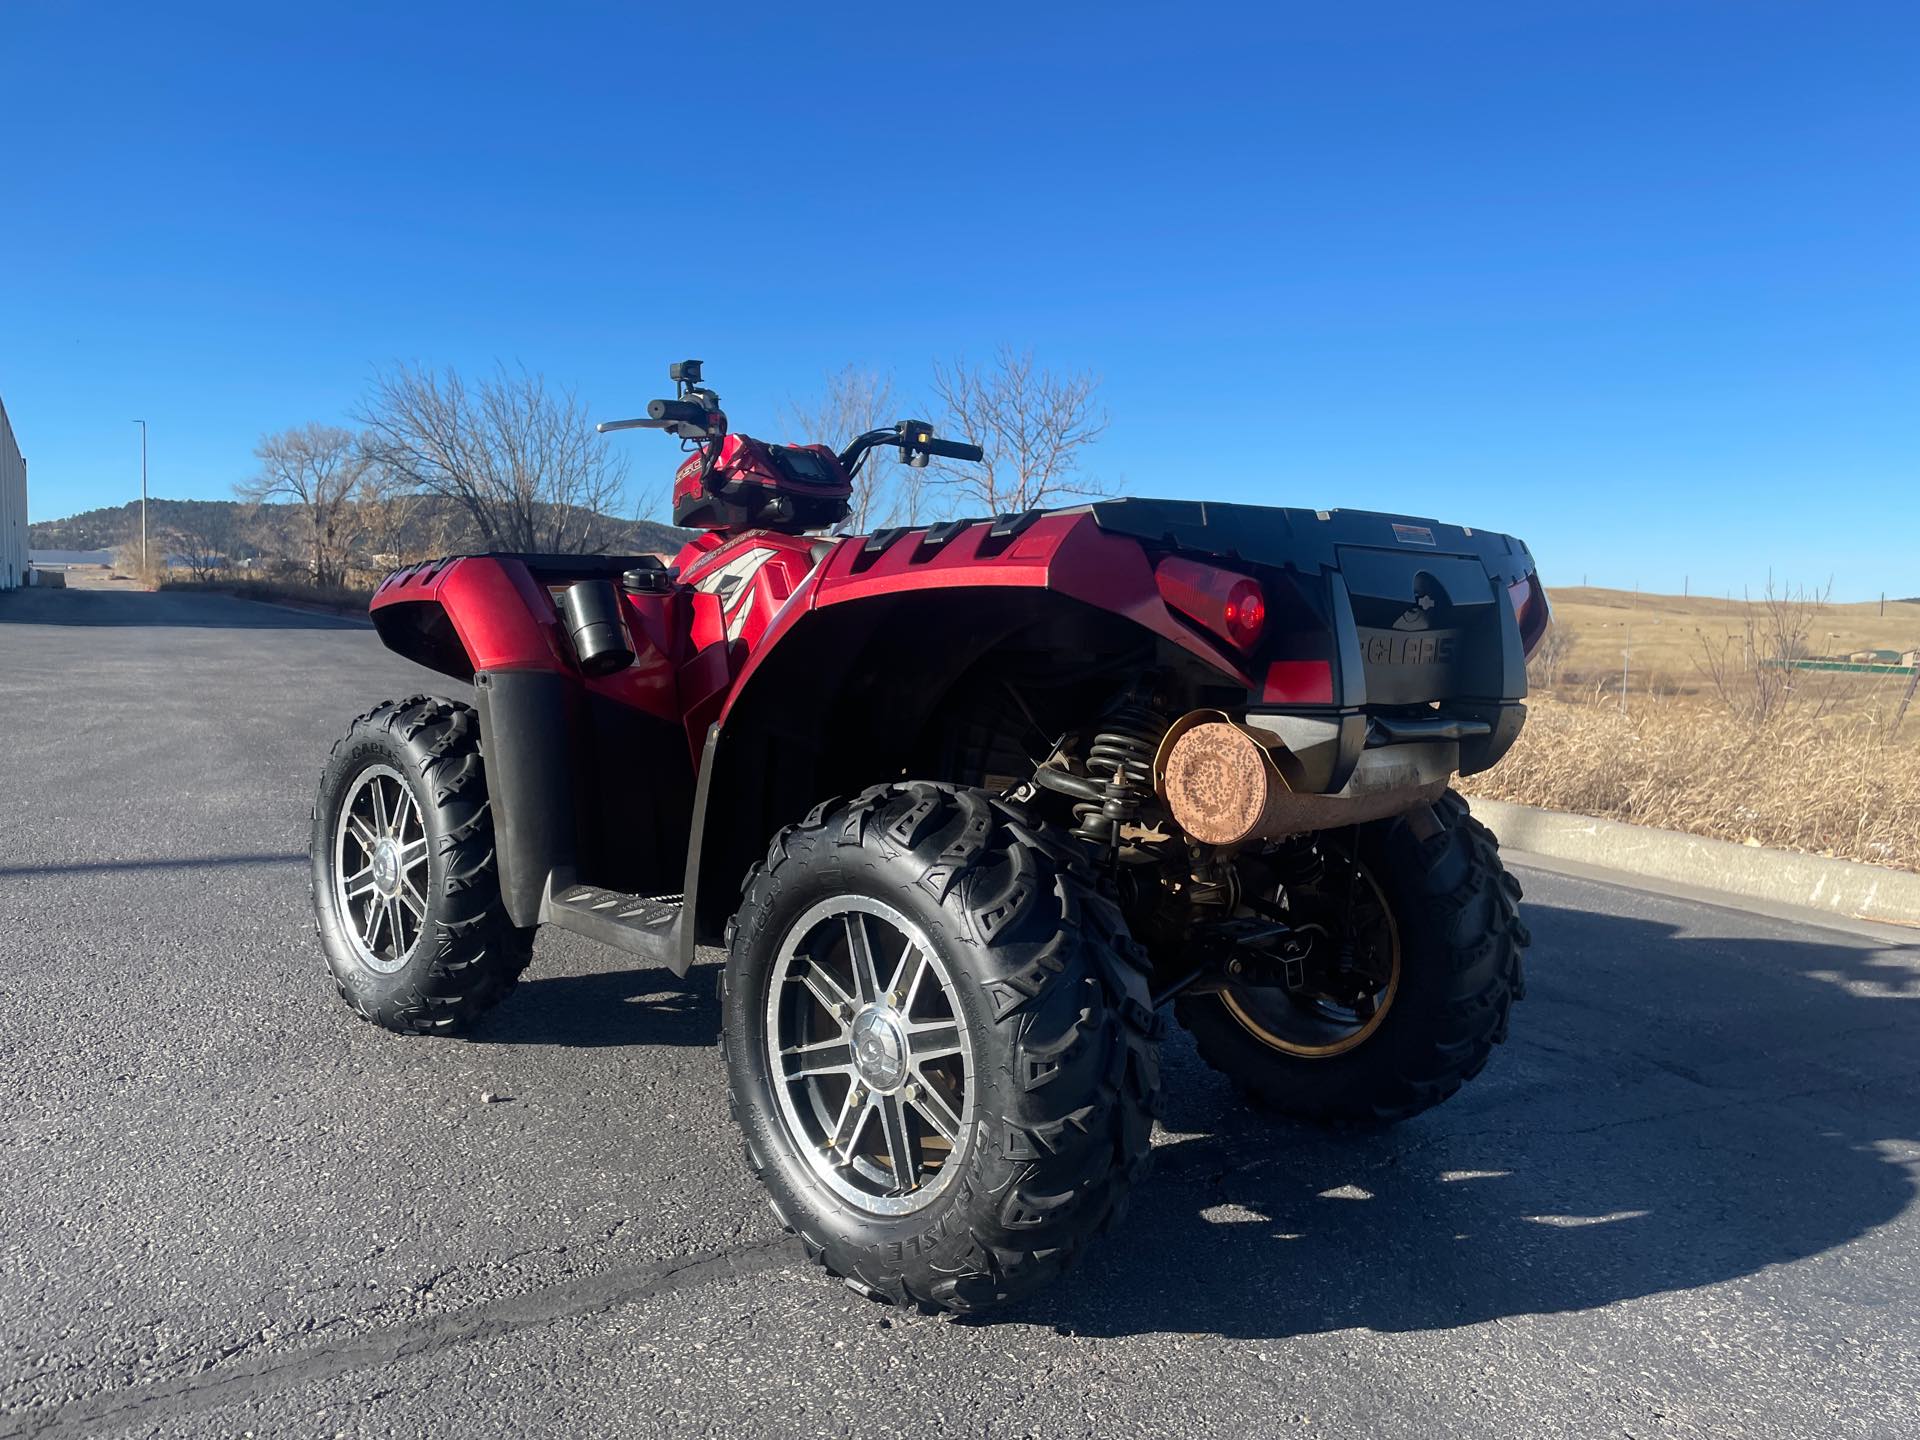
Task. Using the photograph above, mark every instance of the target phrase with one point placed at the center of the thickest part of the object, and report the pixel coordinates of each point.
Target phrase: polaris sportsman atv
(968, 804)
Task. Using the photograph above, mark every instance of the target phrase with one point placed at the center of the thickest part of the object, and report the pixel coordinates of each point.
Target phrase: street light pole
(143, 500)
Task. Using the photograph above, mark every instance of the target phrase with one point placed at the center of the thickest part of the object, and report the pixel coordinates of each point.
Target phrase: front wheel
(939, 1045)
(405, 895)
(1433, 949)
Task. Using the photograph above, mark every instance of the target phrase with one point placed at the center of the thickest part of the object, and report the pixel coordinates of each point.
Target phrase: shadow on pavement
(1704, 1114)
(184, 862)
(1676, 1111)
(176, 608)
(648, 1006)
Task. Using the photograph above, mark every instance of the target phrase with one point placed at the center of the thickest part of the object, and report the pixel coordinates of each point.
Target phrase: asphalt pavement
(1680, 1201)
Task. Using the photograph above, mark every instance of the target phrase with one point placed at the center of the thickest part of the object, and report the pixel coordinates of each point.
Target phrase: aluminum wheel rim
(380, 870)
(869, 1055)
(1320, 1029)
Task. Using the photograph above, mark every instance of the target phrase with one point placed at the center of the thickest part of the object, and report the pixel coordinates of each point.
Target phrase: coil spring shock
(1121, 757)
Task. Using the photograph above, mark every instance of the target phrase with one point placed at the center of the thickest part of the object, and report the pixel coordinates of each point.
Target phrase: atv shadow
(647, 1006)
(1674, 1110)
(166, 609)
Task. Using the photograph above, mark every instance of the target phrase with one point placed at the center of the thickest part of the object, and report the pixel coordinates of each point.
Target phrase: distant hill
(104, 529)
(1665, 631)
(433, 525)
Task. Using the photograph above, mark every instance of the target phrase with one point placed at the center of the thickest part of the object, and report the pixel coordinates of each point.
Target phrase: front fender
(467, 614)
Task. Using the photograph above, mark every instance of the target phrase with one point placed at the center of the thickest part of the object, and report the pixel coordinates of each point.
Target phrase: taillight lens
(1530, 609)
(1231, 606)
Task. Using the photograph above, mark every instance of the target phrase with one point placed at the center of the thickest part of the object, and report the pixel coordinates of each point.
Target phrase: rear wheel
(939, 1045)
(405, 896)
(1431, 968)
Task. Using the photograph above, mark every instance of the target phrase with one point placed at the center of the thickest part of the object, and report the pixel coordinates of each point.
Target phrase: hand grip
(952, 449)
(685, 412)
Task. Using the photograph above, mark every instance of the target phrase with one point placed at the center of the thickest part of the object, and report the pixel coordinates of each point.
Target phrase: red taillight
(1298, 682)
(1231, 606)
(1530, 609)
(1246, 614)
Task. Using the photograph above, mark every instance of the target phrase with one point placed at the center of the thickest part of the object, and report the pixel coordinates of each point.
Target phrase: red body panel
(696, 645)
(504, 619)
(743, 584)
(1067, 553)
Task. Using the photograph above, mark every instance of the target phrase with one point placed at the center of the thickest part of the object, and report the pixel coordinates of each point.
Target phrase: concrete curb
(1780, 877)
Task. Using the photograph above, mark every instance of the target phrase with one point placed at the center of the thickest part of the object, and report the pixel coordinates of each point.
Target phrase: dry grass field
(1663, 631)
(1802, 760)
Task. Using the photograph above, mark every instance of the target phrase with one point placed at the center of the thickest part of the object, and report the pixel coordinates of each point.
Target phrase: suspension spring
(1120, 759)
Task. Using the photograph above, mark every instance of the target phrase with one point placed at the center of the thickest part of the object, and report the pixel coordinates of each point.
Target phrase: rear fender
(1063, 553)
(859, 659)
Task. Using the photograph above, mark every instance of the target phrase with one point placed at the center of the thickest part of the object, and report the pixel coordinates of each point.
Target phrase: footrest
(646, 925)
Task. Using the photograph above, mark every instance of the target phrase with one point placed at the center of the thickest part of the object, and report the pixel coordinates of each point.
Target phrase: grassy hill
(434, 524)
(119, 525)
(1665, 630)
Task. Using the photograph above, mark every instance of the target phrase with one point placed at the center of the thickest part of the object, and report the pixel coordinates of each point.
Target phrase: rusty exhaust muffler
(1227, 785)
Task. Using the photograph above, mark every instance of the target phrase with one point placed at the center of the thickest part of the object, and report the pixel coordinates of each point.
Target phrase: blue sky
(1639, 282)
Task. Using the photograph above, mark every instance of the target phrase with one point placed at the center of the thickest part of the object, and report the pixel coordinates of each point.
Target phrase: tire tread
(1078, 1146)
(478, 953)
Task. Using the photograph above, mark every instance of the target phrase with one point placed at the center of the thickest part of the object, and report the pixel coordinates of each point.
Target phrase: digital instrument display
(805, 465)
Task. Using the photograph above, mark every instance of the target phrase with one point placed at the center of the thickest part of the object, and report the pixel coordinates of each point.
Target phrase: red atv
(967, 804)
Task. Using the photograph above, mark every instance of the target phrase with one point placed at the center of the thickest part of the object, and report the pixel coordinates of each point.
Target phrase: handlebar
(689, 419)
(915, 441)
(683, 412)
(695, 415)
(952, 449)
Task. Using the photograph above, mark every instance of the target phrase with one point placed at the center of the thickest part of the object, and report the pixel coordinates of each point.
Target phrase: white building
(13, 508)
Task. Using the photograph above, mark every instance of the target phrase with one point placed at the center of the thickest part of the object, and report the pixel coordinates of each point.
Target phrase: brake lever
(606, 426)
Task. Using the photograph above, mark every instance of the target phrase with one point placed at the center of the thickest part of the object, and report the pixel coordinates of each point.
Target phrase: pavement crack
(266, 1373)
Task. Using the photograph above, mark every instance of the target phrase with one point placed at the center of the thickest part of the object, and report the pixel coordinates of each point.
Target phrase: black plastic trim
(1306, 540)
(1349, 668)
(1005, 527)
(688, 937)
(530, 742)
(1400, 730)
(938, 537)
(883, 539)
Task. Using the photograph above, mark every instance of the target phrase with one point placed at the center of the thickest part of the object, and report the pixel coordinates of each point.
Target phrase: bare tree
(522, 460)
(1032, 423)
(1752, 671)
(203, 538)
(271, 533)
(853, 402)
(389, 512)
(317, 469)
(127, 560)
